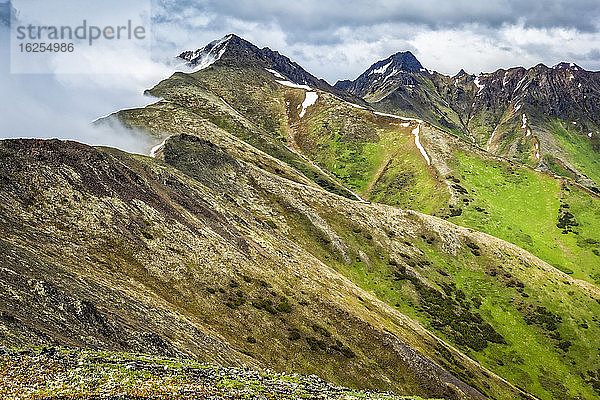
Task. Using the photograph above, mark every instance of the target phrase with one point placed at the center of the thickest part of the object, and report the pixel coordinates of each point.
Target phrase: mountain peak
(403, 61)
(207, 55)
(566, 65)
(396, 68)
(233, 50)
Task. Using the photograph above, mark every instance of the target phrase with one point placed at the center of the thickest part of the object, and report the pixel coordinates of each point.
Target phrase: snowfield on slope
(284, 82)
(418, 144)
(158, 147)
(309, 99)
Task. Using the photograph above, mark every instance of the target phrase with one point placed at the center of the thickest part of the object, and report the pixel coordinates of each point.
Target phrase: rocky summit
(404, 235)
(543, 117)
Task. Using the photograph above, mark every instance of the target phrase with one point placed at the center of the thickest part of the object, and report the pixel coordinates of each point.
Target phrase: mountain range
(407, 231)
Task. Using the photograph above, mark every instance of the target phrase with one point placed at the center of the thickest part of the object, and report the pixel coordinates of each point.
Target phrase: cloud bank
(333, 40)
(63, 105)
(339, 40)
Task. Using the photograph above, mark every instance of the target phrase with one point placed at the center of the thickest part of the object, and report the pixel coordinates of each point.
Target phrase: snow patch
(518, 107)
(524, 125)
(418, 144)
(158, 147)
(283, 80)
(388, 76)
(380, 70)
(293, 85)
(590, 134)
(277, 74)
(397, 116)
(354, 105)
(309, 99)
(520, 83)
(479, 86)
(489, 142)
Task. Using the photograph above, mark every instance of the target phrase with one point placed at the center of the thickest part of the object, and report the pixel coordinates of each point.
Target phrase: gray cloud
(592, 55)
(64, 106)
(337, 39)
(332, 39)
(303, 20)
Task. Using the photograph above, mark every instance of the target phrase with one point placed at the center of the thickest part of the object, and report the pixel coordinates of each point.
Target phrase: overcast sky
(332, 39)
(339, 39)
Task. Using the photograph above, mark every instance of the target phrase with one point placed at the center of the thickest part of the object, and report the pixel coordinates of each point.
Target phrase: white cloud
(331, 40)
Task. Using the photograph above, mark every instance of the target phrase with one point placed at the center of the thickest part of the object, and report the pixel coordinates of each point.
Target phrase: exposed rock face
(565, 91)
(487, 109)
(394, 70)
(234, 50)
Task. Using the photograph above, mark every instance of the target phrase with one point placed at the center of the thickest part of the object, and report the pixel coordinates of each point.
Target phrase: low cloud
(336, 40)
(63, 106)
(332, 40)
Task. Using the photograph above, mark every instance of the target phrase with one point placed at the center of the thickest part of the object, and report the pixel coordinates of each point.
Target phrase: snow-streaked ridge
(158, 147)
(419, 145)
(202, 58)
(309, 99)
(381, 70)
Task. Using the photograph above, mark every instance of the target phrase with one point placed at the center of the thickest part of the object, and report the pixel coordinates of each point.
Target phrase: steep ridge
(561, 105)
(381, 158)
(142, 285)
(232, 49)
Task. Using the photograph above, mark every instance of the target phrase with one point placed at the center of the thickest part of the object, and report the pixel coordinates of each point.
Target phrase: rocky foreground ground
(67, 374)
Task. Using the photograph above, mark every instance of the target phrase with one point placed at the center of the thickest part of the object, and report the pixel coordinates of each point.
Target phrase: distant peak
(460, 73)
(566, 65)
(207, 55)
(408, 62)
(403, 61)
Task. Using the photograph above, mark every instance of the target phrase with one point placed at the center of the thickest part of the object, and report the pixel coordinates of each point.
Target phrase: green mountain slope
(236, 238)
(124, 233)
(521, 114)
(119, 252)
(376, 157)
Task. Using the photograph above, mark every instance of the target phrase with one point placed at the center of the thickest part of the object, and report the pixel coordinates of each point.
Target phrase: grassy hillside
(530, 209)
(513, 314)
(582, 151)
(202, 258)
(271, 285)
